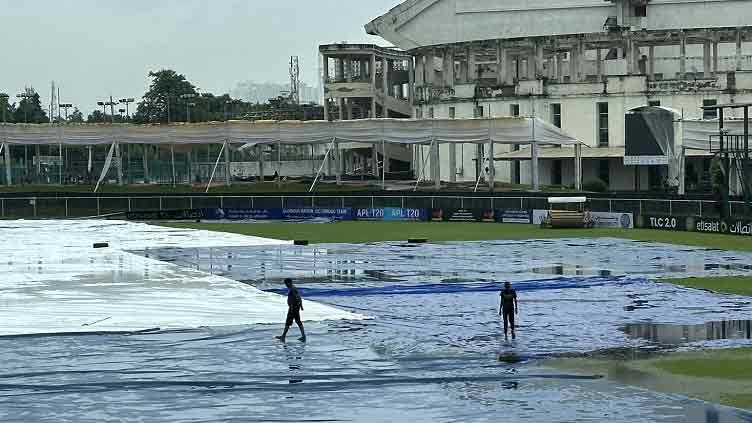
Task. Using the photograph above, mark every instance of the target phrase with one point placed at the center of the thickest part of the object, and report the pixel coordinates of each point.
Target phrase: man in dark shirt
(508, 308)
(294, 306)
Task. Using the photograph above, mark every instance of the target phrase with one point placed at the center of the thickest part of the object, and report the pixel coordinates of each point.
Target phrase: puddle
(672, 334)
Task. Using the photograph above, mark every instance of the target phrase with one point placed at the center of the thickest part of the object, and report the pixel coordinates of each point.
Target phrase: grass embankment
(720, 376)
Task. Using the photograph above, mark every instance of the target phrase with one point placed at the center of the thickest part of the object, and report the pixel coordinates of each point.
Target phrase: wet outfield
(432, 352)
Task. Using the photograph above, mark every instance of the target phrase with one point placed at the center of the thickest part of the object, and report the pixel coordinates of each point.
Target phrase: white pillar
(715, 57)
(472, 69)
(341, 102)
(538, 60)
(682, 172)
(411, 82)
(706, 59)
(651, 63)
(599, 64)
(534, 166)
(560, 67)
(338, 163)
(739, 50)
(682, 56)
(145, 148)
(629, 55)
(501, 64)
(385, 159)
(449, 67)
(8, 164)
(452, 162)
(375, 159)
(385, 79)
(578, 167)
(373, 85)
(436, 166)
(573, 58)
(491, 167)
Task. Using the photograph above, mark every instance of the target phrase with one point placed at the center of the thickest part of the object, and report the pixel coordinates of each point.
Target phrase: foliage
(716, 175)
(165, 102)
(595, 185)
(7, 107)
(97, 116)
(30, 109)
(76, 116)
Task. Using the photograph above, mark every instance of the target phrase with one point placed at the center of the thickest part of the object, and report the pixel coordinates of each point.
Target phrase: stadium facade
(582, 65)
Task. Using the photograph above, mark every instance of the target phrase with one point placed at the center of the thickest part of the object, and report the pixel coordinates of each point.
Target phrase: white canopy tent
(244, 134)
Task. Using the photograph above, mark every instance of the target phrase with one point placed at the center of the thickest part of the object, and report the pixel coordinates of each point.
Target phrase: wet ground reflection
(672, 334)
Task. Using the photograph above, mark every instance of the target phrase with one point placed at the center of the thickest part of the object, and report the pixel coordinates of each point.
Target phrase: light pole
(127, 102)
(65, 106)
(25, 96)
(110, 103)
(188, 105)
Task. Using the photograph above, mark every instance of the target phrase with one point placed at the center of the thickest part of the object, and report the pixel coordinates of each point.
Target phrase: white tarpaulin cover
(697, 133)
(502, 130)
(55, 282)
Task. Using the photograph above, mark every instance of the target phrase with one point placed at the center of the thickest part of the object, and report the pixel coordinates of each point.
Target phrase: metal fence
(77, 207)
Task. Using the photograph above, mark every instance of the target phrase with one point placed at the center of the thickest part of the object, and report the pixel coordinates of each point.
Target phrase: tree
(76, 116)
(96, 117)
(7, 109)
(164, 101)
(30, 109)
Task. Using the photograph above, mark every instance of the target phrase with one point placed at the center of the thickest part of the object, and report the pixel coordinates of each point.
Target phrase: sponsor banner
(514, 216)
(718, 226)
(645, 160)
(613, 220)
(190, 214)
(279, 214)
(464, 215)
(600, 219)
(666, 223)
(391, 214)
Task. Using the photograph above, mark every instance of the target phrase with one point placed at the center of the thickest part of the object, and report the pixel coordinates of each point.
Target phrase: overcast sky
(93, 49)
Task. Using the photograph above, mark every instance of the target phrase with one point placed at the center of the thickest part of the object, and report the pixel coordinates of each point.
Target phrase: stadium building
(582, 65)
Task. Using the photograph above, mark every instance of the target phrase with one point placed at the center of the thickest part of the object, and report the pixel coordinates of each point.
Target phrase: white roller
(566, 200)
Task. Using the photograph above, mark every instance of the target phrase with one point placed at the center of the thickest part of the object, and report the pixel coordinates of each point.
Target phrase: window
(641, 11)
(604, 171)
(419, 113)
(430, 112)
(712, 113)
(654, 103)
(556, 173)
(451, 113)
(478, 112)
(556, 114)
(514, 110)
(602, 124)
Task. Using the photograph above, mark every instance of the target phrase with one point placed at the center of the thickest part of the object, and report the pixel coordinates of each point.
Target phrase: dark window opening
(602, 124)
(478, 112)
(451, 112)
(514, 110)
(712, 113)
(556, 177)
(641, 11)
(556, 115)
(604, 171)
(654, 103)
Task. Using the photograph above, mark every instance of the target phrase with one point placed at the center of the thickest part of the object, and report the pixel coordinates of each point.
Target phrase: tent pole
(172, 160)
(682, 172)
(279, 164)
(228, 173)
(8, 169)
(480, 174)
(211, 178)
(423, 165)
(534, 159)
(383, 165)
(578, 167)
(60, 162)
(338, 162)
(326, 157)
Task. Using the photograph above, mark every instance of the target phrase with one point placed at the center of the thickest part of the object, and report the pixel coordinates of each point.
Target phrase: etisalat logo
(737, 228)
